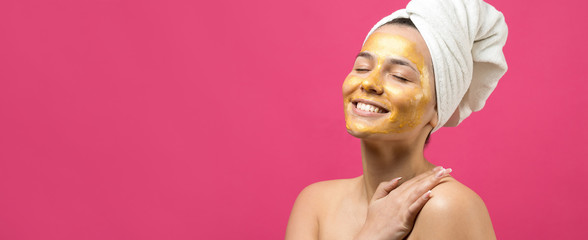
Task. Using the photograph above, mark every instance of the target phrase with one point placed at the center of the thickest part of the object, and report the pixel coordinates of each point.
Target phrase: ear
(434, 120)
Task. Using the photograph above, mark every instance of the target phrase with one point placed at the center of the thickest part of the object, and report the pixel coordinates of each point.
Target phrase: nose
(372, 85)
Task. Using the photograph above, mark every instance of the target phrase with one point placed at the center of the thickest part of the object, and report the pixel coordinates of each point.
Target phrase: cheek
(410, 105)
(408, 101)
(350, 84)
(397, 92)
(420, 104)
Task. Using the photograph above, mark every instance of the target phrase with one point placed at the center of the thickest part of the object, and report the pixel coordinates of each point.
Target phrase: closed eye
(362, 70)
(401, 78)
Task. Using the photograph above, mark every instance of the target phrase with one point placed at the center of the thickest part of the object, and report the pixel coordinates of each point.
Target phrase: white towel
(465, 38)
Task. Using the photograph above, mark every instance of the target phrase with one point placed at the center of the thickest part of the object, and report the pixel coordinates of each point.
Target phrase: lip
(366, 113)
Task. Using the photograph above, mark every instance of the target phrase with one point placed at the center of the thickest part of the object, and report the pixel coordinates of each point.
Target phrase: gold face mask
(389, 89)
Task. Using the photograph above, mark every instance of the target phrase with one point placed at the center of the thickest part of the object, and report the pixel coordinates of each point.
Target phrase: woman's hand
(393, 209)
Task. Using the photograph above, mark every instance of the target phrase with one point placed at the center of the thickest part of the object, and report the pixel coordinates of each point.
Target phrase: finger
(416, 207)
(427, 184)
(417, 180)
(385, 188)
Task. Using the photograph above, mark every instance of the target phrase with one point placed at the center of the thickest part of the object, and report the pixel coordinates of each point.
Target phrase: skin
(405, 91)
(394, 72)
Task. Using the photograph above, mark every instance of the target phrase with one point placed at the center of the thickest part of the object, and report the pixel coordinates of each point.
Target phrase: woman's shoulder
(454, 212)
(333, 185)
(326, 191)
(452, 192)
(312, 203)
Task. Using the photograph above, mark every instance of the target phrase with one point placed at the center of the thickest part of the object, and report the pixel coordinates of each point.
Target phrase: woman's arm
(303, 222)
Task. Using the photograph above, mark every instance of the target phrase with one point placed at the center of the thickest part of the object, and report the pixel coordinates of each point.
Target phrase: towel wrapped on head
(465, 40)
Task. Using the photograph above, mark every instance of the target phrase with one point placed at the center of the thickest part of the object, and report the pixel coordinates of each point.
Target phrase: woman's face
(390, 91)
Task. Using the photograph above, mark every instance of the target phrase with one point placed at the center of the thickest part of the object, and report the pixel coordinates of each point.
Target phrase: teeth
(369, 108)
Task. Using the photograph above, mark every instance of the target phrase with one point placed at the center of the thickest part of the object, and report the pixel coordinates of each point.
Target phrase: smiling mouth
(369, 107)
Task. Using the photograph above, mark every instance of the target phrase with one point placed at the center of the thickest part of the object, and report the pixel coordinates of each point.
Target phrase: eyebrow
(365, 55)
(395, 61)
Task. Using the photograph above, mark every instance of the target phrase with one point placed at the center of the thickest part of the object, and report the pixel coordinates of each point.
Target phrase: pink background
(188, 120)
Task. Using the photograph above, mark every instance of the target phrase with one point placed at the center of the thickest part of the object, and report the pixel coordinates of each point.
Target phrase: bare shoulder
(312, 201)
(454, 212)
(320, 193)
(328, 188)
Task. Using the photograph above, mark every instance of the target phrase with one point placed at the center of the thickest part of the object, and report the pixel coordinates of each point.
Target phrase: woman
(423, 67)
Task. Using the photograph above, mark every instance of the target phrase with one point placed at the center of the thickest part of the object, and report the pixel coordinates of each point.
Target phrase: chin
(375, 135)
(370, 135)
(358, 134)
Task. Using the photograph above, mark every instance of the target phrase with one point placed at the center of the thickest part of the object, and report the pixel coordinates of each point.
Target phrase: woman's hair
(402, 21)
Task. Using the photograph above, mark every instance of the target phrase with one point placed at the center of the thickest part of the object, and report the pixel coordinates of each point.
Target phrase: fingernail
(396, 179)
(427, 194)
(440, 172)
(448, 170)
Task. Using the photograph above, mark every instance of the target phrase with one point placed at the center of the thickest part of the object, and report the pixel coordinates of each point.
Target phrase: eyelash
(363, 70)
(401, 78)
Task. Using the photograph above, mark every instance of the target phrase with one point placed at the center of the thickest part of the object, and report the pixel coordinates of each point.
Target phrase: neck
(384, 161)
